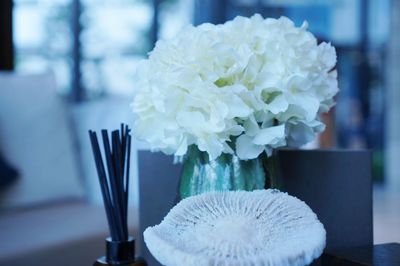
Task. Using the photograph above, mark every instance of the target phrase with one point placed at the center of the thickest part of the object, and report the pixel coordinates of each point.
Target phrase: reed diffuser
(120, 247)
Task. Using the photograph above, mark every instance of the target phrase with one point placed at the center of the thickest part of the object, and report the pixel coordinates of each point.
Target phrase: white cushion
(36, 138)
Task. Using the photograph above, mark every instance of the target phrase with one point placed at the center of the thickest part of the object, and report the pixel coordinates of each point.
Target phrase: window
(43, 38)
(110, 37)
(115, 35)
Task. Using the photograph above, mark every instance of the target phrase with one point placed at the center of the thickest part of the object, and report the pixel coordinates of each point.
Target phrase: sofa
(52, 213)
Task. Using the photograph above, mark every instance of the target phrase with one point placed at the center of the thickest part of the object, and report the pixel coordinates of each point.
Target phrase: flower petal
(279, 104)
(270, 135)
(299, 135)
(246, 149)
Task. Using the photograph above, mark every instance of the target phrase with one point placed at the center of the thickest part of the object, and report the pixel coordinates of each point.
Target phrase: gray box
(337, 185)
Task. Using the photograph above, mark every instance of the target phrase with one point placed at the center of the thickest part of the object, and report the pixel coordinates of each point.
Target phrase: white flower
(260, 83)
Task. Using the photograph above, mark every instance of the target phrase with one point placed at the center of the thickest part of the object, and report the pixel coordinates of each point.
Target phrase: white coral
(263, 227)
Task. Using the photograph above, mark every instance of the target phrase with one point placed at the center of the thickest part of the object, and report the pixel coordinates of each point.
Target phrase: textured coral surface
(263, 227)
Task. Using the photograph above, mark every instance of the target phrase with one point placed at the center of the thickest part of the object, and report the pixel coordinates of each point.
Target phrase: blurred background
(67, 66)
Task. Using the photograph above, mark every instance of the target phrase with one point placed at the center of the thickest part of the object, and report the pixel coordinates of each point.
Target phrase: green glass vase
(227, 172)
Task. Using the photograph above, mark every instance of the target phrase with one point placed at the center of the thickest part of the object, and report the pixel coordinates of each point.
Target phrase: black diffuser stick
(124, 136)
(103, 183)
(123, 145)
(113, 183)
(119, 178)
(128, 160)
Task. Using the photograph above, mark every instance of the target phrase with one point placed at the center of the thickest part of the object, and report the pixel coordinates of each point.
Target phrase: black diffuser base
(121, 253)
(137, 262)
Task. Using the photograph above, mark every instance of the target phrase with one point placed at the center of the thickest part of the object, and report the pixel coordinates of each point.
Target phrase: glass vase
(227, 172)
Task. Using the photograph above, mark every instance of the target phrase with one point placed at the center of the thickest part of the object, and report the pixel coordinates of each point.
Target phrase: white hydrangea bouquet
(228, 93)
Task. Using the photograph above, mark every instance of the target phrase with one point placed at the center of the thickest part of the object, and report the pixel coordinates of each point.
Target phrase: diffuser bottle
(114, 184)
(121, 253)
